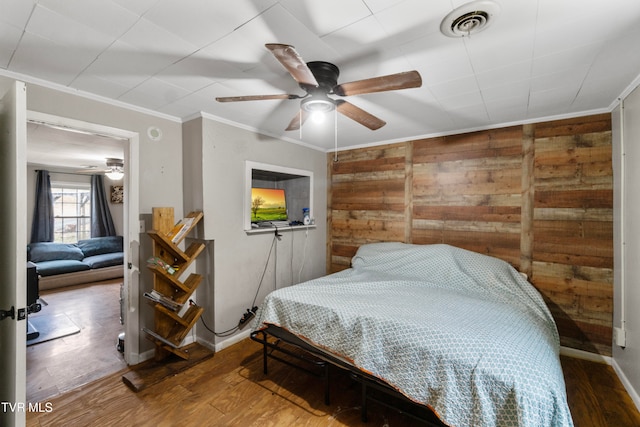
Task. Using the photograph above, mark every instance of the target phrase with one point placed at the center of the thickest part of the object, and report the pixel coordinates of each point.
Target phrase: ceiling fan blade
(293, 62)
(359, 115)
(405, 80)
(255, 97)
(298, 120)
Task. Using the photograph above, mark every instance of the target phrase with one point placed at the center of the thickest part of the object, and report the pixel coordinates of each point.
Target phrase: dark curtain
(101, 221)
(42, 224)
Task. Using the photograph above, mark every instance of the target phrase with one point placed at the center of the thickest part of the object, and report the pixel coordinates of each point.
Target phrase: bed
(461, 333)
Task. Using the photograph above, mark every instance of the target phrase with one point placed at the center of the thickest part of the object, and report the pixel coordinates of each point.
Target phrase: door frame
(131, 223)
(13, 277)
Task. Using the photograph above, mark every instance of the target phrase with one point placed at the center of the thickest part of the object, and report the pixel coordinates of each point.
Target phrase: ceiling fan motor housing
(326, 75)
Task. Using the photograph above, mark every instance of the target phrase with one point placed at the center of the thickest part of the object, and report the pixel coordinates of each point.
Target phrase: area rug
(52, 327)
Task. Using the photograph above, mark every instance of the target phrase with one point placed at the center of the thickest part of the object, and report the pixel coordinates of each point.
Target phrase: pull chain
(335, 135)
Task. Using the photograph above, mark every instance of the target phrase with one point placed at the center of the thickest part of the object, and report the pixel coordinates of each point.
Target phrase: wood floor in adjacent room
(57, 366)
(230, 389)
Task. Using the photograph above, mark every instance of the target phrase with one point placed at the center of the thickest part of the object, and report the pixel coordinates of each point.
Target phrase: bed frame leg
(363, 410)
(326, 384)
(323, 364)
(265, 354)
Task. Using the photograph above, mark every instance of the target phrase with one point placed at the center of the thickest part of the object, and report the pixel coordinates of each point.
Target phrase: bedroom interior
(535, 169)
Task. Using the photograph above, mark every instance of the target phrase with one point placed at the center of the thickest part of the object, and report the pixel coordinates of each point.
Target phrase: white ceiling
(74, 151)
(539, 59)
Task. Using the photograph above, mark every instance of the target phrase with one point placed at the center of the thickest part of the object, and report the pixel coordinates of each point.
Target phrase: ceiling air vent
(470, 18)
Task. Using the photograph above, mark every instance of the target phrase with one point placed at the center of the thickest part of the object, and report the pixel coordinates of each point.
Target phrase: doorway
(128, 145)
(86, 319)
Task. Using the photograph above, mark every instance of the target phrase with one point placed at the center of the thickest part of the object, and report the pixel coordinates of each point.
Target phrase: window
(72, 212)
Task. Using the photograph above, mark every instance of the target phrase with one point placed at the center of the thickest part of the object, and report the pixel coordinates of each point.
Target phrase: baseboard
(215, 347)
(206, 343)
(585, 355)
(135, 358)
(627, 384)
(233, 340)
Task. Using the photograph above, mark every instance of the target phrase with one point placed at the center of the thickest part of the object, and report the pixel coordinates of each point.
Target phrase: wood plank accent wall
(539, 196)
(573, 228)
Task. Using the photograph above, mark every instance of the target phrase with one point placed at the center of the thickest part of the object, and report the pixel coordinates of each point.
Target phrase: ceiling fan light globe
(115, 174)
(116, 169)
(318, 117)
(318, 104)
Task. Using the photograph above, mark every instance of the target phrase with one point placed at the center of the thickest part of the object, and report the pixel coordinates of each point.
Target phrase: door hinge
(8, 313)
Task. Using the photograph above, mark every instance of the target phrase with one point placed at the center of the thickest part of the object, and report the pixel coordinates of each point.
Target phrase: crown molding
(87, 95)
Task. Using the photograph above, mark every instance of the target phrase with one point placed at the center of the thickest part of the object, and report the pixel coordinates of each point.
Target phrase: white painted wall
(236, 260)
(159, 164)
(626, 162)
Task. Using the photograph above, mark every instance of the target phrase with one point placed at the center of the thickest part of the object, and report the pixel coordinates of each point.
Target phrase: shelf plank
(171, 305)
(182, 259)
(192, 282)
(159, 338)
(180, 330)
(177, 351)
(167, 245)
(172, 279)
(171, 314)
(180, 291)
(194, 250)
(197, 216)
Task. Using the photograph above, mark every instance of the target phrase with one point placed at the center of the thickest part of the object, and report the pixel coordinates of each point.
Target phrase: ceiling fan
(113, 171)
(319, 79)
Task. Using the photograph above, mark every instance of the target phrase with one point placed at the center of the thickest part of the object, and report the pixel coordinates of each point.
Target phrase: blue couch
(66, 264)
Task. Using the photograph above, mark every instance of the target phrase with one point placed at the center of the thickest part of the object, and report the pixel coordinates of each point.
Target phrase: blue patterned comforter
(460, 332)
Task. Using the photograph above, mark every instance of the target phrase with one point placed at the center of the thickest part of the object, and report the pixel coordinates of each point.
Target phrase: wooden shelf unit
(170, 328)
(169, 285)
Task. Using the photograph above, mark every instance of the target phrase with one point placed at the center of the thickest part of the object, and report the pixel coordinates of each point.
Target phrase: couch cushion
(49, 251)
(50, 268)
(100, 245)
(104, 260)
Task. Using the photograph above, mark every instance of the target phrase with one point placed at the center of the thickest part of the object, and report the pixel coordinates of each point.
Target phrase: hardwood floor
(63, 364)
(229, 389)
(596, 396)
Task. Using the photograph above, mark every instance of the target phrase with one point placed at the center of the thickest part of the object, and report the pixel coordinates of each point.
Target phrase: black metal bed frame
(319, 364)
